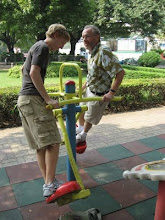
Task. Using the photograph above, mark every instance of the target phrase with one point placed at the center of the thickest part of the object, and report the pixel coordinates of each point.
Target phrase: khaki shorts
(95, 109)
(39, 124)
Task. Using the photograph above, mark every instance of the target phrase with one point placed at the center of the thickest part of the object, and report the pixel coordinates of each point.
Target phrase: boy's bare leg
(87, 126)
(47, 160)
(41, 161)
(51, 158)
(81, 119)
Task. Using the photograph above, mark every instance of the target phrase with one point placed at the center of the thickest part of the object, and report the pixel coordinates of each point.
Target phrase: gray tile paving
(113, 129)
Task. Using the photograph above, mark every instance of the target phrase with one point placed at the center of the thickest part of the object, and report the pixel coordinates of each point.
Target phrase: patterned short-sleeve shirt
(103, 66)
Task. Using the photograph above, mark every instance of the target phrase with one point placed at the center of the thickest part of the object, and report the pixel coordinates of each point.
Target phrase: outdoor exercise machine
(154, 171)
(73, 189)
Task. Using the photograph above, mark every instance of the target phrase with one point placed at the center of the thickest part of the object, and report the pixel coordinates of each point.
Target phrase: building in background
(130, 48)
(123, 48)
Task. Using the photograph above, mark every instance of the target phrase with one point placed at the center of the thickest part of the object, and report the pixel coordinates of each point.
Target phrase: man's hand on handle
(108, 96)
(53, 103)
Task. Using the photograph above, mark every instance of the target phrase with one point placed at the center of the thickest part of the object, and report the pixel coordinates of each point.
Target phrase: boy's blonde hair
(59, 29)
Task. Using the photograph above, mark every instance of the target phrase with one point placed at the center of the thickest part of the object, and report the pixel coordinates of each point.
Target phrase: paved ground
(119, 142)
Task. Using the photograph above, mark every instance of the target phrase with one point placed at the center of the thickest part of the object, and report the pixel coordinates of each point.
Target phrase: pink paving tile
(137, 148)
(129, 163)
(23, 172)
(90, 158)
(7, 199)
(162, 150)
(161, 136)
(87, 180)
(62, 176)
(120, 215)
(43, 211)
(128, 192)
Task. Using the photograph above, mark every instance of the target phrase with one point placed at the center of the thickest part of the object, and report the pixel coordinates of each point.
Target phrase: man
(103, 66)
(39, 124)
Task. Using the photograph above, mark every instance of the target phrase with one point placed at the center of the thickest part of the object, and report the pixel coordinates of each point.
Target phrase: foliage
(120, 18)
(8, 110)
(15, 71)
(137, 95)
(144, 69)
(132, 72)
(158, 50)
(149, 59)
(141, 95)
(52, 70)
(40, 14)
(138, 72)
(23, 22)
(11, 57)
(12, 23)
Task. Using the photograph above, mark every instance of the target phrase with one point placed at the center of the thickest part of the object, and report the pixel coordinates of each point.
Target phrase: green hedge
(15, 71)
(144, 69)
(137, 94)
(132, 72)
(141, 88)
(52, 70)
(140, 95)
(150, 59)
(9, 116)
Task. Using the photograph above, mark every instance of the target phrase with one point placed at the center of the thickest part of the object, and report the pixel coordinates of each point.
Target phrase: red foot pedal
(66, 188)
(81, 147)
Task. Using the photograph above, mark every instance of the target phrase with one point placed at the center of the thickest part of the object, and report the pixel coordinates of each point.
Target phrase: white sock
(83, 133)
(81, 127)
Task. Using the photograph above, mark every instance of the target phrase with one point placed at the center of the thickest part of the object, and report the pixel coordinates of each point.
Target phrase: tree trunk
(73, 46)
(9, 41)
(10, 47)
(74, 38)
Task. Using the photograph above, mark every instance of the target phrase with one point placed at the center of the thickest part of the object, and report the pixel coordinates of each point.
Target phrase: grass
(134, 75)
(7, 81)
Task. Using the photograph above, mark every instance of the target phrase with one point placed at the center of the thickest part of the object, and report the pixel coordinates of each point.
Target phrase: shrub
(144, 69)
(52, 70)
(8, 112)
(138, 94)
(133, 74)
(159, 50)
(15, 71)
(65, 58)
(150, 59)
(12, 57)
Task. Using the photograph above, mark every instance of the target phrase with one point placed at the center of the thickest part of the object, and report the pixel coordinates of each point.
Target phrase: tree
(9, 23)
(74, 14)
(43, 13)
(119, 18)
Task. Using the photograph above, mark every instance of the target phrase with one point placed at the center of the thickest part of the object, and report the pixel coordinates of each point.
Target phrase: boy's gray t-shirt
(37, 55)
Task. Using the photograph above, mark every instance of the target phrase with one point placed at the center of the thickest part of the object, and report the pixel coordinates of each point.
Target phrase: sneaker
(80, 138)
(79, 129)
(57, 183)
(48, 189)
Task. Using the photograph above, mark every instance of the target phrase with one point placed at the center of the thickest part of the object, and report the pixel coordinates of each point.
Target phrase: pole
(71, 127)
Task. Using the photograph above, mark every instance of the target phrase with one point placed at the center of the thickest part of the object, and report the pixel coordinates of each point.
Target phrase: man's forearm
(117, 81)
